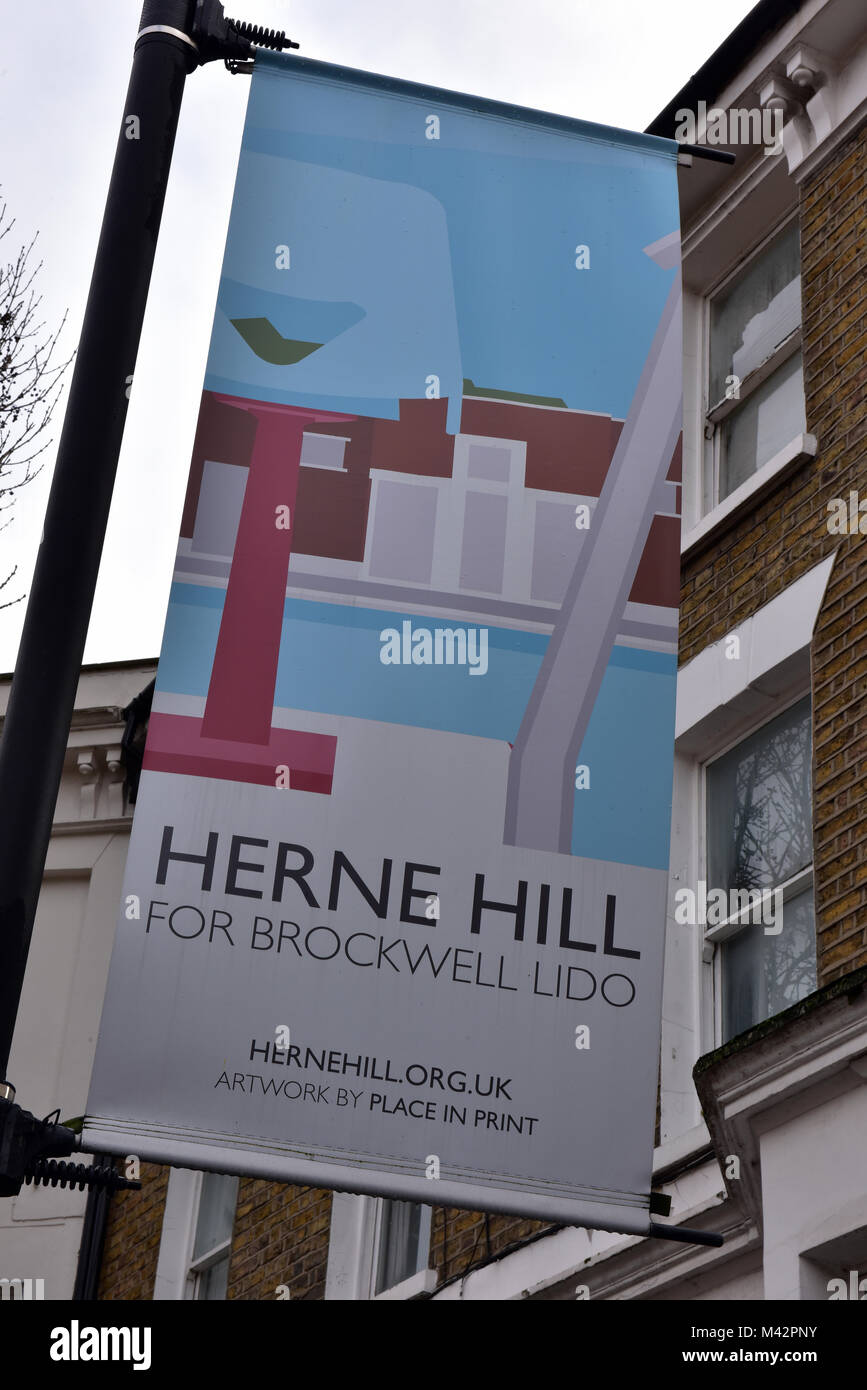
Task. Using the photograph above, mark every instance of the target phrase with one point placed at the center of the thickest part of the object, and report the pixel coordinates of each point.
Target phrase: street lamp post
(175, 36)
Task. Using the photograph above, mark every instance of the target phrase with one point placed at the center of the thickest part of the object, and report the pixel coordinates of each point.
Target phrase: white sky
(63, 75)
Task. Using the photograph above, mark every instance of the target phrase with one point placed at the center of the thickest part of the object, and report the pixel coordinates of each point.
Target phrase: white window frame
(353, 1252)
(719, 702)
(178, 1274)
(717, 243)
(791, 887)
(715, 413)
(415, 1283)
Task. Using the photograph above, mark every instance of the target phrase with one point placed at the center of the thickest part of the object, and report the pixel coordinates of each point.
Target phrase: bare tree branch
(30, 378)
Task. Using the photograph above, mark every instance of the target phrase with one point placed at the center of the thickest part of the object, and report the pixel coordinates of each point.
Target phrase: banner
(394, 907)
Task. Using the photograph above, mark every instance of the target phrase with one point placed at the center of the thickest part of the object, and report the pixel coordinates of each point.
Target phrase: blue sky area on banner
(410, 284)
(329, 664)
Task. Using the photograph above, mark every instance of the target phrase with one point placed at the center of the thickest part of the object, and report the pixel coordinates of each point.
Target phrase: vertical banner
(394, 908)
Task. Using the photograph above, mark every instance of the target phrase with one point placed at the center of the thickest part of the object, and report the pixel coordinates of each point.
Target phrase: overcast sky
(64, 67)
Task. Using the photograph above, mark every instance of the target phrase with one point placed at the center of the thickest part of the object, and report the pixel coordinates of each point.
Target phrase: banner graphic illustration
(394, 907)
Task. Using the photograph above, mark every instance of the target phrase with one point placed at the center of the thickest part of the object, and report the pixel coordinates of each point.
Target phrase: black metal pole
(42, 699)
(92, 1240)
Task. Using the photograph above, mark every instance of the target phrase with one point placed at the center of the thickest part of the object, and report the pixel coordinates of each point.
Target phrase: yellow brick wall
(787, 534)
(461, 1239)
(834, 249)
(280, 1237)
(132, 1238)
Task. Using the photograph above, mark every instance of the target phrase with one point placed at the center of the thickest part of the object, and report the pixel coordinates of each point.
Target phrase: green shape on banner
(271, 346)
(470, 389)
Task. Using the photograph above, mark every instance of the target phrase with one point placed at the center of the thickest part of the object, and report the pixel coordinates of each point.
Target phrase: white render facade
(55, 1036)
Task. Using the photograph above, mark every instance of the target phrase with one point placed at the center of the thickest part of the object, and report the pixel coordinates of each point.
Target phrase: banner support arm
(687, 1234)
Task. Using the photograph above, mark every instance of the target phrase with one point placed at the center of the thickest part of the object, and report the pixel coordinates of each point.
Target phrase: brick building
(762, 1102)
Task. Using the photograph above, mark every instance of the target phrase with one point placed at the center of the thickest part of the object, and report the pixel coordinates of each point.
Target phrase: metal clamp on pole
(230, 39)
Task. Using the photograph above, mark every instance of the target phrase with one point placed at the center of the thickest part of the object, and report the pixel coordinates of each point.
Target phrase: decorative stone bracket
(802, 87)
(100, 769)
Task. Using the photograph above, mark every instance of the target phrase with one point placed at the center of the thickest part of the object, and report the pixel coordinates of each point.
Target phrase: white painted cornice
(818, 1050)
(716, 693)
